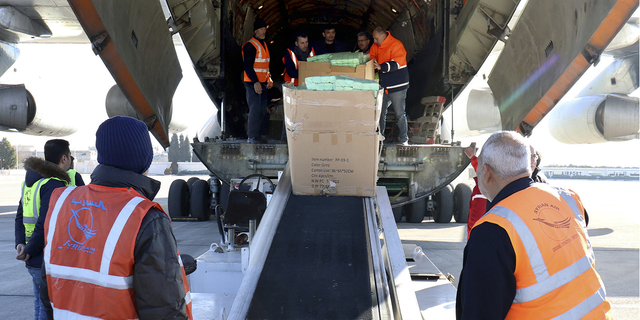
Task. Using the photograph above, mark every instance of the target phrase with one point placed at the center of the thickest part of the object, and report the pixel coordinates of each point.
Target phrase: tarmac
(614, 232)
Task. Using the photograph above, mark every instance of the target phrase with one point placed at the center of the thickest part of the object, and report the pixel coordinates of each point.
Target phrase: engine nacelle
(595, 119)
(18, 114)
(118, 105)
(17, 107)
(482, 111)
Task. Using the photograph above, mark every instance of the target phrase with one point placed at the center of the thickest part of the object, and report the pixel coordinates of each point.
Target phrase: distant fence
(157, 168)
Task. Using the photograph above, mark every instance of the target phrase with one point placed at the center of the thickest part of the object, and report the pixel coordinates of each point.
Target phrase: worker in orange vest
(110, 252)
(529, 256)
(257, 79)
(299, 51)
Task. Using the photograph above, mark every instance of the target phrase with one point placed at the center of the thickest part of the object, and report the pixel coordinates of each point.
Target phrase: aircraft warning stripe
(607, 30)
(576, 69)
(93, 26)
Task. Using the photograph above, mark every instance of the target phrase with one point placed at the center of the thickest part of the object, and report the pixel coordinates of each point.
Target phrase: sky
(70, 83)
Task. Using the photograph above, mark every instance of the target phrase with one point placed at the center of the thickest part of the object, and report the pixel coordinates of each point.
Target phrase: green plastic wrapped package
(342, 59)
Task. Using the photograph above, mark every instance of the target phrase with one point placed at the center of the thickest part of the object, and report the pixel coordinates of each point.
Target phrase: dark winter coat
(38, 168)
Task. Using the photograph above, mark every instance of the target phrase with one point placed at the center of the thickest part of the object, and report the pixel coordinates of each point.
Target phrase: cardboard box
(331, 110)
(333, 141)
(342, 164)
(311, 69)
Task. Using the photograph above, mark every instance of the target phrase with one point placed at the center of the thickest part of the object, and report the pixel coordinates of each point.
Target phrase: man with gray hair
(529, 256)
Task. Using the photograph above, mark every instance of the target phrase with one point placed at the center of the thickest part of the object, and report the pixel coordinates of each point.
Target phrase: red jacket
(478, 203)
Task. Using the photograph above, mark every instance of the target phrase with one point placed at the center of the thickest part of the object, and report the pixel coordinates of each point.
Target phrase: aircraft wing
(552, 46)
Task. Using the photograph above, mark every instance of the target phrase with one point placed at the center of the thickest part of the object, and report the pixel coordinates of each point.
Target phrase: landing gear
(191, 181)
(461, 196)
(444, 205)
(397, 213)
(199, 200)
(178, 199)
(415, 211)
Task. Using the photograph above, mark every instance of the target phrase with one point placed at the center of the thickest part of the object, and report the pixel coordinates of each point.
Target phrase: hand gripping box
(333, 141)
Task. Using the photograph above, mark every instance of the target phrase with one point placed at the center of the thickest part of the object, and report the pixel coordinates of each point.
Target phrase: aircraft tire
(415, 211)
(444, 205)
(191, 181)
(200, 200)
(178, 201)
(397, 213)
(461, 196)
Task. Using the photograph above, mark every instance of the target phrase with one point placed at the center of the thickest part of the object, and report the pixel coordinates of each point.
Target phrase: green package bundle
(341, 59)
(340, 83)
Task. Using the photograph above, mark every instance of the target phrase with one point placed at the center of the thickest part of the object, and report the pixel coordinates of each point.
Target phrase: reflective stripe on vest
(260, 63)
(294, 58)
(546, 283)
(101, 278)
(572, 270)
(73, 271)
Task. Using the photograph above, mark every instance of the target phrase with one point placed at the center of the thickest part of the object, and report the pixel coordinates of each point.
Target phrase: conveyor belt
(318, 265)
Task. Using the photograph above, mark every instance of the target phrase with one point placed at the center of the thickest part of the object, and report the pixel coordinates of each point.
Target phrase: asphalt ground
(614, 231)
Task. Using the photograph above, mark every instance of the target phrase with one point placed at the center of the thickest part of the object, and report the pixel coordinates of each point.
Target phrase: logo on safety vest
(552, 222)
(80, 227)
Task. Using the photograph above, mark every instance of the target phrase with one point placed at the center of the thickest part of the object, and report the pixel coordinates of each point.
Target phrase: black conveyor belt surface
(318, 264)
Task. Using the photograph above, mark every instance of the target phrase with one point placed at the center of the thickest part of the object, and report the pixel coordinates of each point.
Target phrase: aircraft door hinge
(183, 21)
(591, 54)
(151, 122)
(525, 128)
(100, 42)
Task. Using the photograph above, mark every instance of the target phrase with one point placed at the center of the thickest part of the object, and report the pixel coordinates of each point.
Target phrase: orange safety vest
(89, 252)
(261, 62)
(294, 58)
(555, 265)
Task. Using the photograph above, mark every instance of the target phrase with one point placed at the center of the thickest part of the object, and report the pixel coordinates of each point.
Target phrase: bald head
(505, 157)
(379, 35)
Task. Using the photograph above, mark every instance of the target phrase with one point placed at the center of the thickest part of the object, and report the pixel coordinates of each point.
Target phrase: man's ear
(488, 173)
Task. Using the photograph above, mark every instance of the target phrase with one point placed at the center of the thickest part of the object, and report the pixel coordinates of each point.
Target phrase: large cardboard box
(311, 69)
(330, 111)
(333, 141)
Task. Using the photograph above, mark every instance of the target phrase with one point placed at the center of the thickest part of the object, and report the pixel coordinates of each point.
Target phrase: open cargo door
(552, 46)
(134, 42)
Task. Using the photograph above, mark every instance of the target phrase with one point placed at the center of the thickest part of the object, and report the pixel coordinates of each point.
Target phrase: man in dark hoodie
(110, 252)
(42, 177)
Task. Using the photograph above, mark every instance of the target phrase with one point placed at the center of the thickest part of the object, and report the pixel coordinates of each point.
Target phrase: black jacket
(321, 47)
(157, 279)
(38, 168)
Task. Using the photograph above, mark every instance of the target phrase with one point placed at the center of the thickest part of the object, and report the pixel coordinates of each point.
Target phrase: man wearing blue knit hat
(108, 241)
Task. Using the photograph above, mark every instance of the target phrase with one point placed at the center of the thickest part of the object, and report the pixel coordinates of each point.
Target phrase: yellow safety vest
(31, 205)
(72, 176)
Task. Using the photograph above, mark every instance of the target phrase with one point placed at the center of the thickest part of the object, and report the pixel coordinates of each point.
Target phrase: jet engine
(595, 119)
(118, 105)
(18, 114)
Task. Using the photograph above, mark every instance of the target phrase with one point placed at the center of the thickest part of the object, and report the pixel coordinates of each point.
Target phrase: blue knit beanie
(124, 142)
